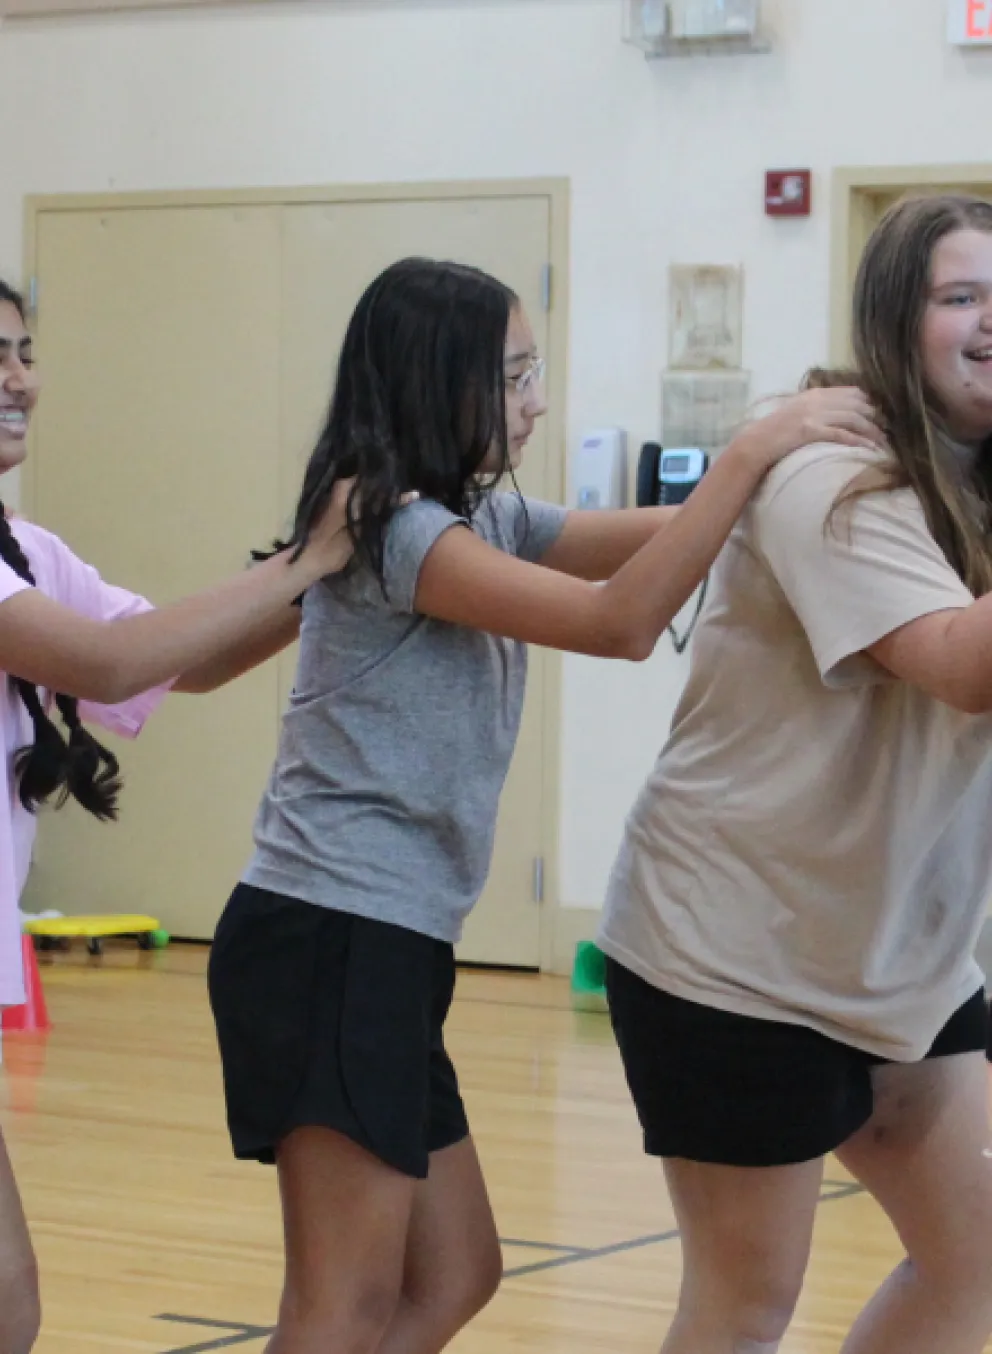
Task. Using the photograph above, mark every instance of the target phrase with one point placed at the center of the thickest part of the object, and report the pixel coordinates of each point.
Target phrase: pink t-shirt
(64, 577)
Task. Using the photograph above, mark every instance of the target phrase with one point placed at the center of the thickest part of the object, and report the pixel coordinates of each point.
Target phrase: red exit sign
(969, 22)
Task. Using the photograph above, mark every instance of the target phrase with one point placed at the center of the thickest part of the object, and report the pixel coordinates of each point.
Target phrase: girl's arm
(465, 581)
(263, 643)
(947, 654)
(594, 545)
(109, 661)
(69, 580)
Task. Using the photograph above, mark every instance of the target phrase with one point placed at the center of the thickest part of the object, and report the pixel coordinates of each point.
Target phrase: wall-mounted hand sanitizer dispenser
(600, 470)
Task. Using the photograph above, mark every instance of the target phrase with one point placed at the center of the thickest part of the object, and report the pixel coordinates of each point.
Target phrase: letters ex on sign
(969, 23)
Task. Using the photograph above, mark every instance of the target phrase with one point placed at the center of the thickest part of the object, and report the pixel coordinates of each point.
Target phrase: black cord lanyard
(681, 642)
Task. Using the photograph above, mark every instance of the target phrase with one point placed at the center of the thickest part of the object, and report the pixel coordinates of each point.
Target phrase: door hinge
(546, 278)
(538, 879)
(32, 296)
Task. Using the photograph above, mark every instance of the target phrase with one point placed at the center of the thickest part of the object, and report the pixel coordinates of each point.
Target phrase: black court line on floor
(240, 1333)
(237, 1333)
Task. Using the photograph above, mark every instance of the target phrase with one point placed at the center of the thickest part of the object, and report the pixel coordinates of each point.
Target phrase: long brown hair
(891, 294)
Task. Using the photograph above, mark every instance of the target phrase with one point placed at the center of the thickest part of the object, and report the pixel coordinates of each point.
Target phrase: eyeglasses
(534, 375)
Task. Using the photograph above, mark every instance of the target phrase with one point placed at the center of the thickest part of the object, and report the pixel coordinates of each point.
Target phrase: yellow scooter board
(94, 930)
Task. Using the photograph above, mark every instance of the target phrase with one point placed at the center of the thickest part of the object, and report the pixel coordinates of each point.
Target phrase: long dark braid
(53, 767)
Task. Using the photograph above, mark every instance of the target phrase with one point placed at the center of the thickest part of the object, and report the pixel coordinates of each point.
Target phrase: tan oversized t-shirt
(814, 843)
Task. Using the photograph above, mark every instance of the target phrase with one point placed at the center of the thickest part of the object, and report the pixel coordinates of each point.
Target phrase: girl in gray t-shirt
(333, 969)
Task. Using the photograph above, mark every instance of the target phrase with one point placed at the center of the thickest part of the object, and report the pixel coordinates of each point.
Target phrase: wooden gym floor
(153, 1240)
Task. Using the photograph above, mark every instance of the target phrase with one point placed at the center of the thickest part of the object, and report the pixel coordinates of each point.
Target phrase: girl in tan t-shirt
(791, 920)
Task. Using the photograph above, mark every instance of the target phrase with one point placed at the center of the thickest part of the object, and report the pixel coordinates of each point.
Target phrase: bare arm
(275, 632)
(256, 648)
(947, 654)
(109, 661)
(594, 545)
(465, 581)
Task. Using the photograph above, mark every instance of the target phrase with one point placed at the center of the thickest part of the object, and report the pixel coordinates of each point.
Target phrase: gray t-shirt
(398, 736)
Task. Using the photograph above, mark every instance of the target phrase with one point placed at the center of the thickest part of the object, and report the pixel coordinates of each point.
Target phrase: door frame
(557, 192)
(855, 190)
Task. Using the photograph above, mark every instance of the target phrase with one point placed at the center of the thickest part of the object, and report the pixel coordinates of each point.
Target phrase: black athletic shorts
(712, 1086)
(327, 1019)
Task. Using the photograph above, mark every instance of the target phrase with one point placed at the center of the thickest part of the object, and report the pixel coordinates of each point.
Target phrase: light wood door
(155, 458)
(188, 355)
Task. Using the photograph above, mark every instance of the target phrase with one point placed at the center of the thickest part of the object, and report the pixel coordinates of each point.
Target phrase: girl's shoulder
(48, 554)
(28, 532)
(57, 570)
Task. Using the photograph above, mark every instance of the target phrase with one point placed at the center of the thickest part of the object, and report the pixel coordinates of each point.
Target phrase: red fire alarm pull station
(789, 192)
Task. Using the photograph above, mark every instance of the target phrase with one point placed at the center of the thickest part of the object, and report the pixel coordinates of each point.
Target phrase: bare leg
(346, 1217)
(20, 1303)
(745, 1244)
(453, 1261)
(922, 1156)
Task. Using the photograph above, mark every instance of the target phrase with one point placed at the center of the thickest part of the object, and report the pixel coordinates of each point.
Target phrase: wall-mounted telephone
(666, 476)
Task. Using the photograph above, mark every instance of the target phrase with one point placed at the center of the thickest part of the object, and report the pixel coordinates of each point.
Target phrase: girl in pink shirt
(75, 649)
